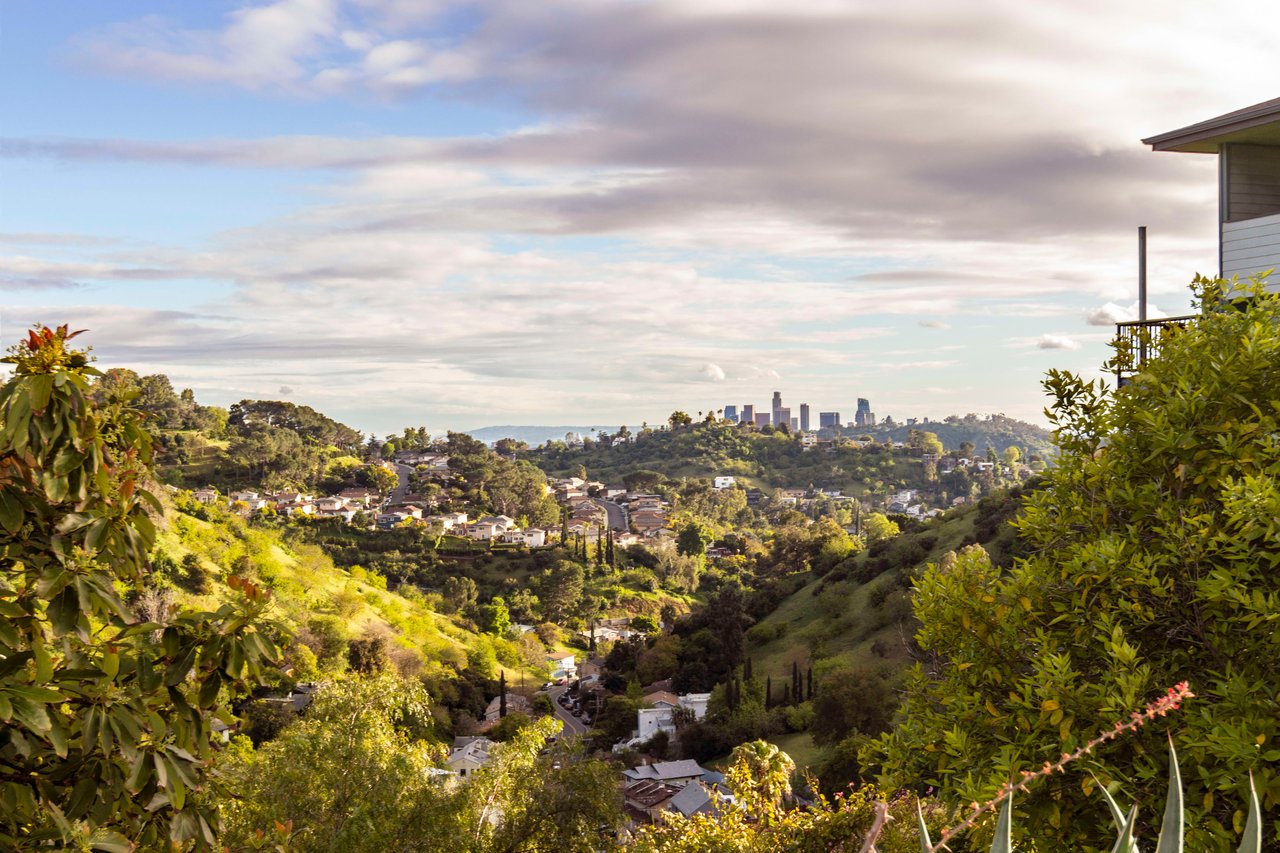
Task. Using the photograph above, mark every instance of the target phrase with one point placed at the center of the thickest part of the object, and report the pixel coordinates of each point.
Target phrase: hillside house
(469, 754)
(724, 482)
(205, 495)
(516, 704)
(1247, 145)
(562, 665)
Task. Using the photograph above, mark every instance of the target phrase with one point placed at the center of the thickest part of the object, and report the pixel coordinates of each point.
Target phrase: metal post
(1142, 293)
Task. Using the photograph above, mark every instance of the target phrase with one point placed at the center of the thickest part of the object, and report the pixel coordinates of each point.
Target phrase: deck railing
(1140, 340)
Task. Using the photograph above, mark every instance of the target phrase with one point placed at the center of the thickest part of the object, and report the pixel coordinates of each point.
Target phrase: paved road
(572, 725)
(617, 514)
(398, 493)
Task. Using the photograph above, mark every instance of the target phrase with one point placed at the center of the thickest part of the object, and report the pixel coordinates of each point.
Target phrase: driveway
(572, 725)
(617, 514)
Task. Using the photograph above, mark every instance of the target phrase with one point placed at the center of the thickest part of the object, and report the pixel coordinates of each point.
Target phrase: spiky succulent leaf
(1125, 842)
(1171, 829)
(926, 845)
(1004, 829)
(1252, 841)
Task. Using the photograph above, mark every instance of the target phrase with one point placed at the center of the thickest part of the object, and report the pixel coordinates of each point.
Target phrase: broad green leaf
(10, 512)
(1171, 828)
(39, 390)
(31, 714)
(110, 841)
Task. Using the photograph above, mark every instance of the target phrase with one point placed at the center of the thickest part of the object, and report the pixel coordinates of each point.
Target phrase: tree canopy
(106, 714)
(1155, 546)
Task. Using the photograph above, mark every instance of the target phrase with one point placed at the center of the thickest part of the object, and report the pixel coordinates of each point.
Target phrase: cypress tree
(809, 694)
(502, 695)
(795, 681)
(768, 690)
(600, 546)
(786, 694)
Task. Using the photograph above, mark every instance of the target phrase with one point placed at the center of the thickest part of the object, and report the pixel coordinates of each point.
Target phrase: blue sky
(597, 211)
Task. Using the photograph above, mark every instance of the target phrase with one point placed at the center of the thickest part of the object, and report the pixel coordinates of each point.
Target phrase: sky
(457, 214)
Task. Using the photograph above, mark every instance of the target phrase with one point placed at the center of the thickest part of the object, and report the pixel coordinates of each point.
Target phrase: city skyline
(460, 214)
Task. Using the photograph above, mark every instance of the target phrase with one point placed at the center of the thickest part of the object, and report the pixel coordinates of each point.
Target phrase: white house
(724, 482)
(562, 665)
(205, 496)
(469, 754)
(696, 703)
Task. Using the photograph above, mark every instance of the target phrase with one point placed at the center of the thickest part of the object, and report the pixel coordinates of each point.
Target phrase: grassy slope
(830, 621)
(305, 584)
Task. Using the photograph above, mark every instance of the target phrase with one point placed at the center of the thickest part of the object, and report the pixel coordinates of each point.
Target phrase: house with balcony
(1247, 145)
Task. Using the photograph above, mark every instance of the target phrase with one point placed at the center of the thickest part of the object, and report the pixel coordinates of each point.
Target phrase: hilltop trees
(106, 716)
(1155, 547)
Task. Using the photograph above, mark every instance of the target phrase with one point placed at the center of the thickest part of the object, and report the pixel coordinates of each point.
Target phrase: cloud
(714, 372)
(1110, 314)
(1057, 342)
(285, 390)
(934, 324)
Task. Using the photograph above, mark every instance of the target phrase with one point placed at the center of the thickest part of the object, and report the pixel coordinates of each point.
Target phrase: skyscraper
(828, 419)
(749, 413)
(777, 408)
(804, 417)
(865, 417)
(731, 413)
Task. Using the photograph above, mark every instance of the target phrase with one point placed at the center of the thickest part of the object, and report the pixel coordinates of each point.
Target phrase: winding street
(398, 493)
(617, 514)
(572, 725)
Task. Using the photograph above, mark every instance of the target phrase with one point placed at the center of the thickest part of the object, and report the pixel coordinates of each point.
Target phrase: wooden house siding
(1251, 246)
(1252, 181)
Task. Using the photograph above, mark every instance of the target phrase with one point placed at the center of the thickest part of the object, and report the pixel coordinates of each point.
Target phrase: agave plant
(1171, 828)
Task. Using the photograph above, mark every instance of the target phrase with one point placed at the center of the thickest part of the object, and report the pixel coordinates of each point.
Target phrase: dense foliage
(106, 713)
(1154, 549)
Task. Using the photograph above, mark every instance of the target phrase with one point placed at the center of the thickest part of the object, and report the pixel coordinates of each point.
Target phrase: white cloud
(935, 324)
(1110, 314)
(714, 372)
(1057, 342)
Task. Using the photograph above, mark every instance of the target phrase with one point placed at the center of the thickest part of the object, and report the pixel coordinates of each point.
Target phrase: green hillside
(853, 626)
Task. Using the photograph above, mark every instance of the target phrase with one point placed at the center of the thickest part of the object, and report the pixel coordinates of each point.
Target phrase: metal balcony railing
(1140, 340)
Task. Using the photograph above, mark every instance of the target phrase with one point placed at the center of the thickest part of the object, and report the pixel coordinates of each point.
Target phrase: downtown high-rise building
(731, 413)
(804, 417)
(828, 420)
(864, 417)
(749, 413)
(777, 409)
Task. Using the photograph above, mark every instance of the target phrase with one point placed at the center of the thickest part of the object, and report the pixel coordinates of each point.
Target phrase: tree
(494, 617)
(678, 419)
(460, 594)
(763, 767)
(1153, 560)
(877, 527)
(105, 717)
(693, 539)
(1011, 455)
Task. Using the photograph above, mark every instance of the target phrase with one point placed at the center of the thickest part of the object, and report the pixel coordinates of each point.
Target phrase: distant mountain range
(534, 435)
